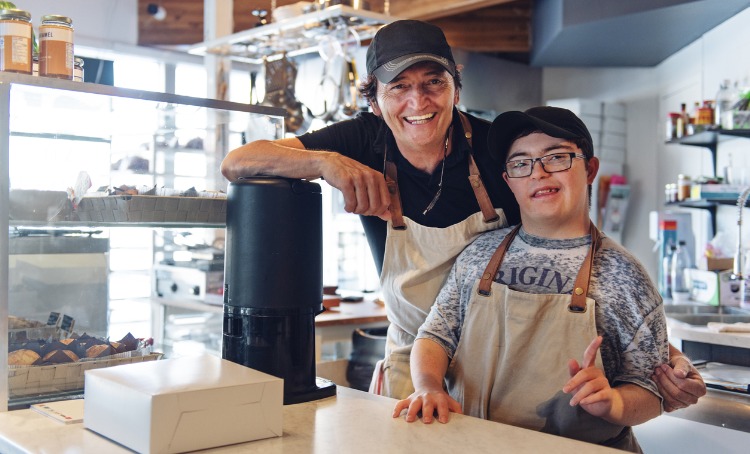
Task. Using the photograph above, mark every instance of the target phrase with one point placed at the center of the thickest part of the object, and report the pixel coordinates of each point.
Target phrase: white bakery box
(183, 404)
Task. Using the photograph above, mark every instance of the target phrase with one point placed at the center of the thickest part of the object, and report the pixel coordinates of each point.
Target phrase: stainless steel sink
(670, 309)
(704, 319)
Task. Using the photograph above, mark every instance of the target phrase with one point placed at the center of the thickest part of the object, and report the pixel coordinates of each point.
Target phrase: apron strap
(485, 282)
(581, 286)
(391, 180)
(475, 179)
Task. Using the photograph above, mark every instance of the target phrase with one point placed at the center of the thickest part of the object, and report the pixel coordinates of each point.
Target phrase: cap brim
(388, 71)
(508, 125)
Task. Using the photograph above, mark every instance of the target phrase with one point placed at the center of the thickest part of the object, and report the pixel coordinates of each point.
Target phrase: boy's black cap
(553, 121)
(403, 43)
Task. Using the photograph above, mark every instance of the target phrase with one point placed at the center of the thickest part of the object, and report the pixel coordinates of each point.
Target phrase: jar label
(15, 47)
(55, 34)
(13, 28)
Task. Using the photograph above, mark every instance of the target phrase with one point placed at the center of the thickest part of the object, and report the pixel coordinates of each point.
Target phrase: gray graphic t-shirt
(629, 312)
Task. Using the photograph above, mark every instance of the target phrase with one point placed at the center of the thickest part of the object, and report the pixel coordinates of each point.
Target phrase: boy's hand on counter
(680, 385)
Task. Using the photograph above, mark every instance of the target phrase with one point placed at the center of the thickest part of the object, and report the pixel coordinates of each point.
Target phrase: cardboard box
(183, 404)
(719, 264)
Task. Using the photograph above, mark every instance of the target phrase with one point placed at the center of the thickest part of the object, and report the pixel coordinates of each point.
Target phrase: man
(519, 302)
(412, 85)
(434, 196)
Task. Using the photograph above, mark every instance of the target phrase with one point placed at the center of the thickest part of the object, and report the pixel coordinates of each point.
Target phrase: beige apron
(416, 263)
(511, 361)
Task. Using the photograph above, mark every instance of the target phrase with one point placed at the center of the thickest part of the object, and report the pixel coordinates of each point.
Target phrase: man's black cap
(403, 43)
(553, 121)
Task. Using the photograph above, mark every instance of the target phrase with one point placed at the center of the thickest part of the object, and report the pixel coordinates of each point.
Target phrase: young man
(521, 302)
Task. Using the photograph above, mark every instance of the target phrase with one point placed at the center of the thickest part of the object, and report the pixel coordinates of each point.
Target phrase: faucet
(738, 256)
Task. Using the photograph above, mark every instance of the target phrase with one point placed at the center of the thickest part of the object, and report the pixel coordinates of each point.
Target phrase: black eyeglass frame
(572, 155)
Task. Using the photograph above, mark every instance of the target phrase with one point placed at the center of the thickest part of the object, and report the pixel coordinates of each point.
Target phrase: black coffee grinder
(273, 281)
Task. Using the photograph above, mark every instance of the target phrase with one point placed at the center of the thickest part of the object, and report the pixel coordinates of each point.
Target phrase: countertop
(355, 421)
(352, 421)
(693, 333)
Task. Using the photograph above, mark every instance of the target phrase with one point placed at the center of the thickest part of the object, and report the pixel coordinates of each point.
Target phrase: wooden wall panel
(504, 26)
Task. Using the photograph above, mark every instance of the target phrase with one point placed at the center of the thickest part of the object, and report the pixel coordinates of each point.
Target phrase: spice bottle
(56, 47)
(683, 187)
(15, 40)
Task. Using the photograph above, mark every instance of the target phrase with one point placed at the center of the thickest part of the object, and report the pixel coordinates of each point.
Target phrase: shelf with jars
(709, 139)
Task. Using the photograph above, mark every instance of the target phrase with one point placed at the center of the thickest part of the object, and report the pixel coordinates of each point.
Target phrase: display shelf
(55, 132)
(296, 35)
(710, 139)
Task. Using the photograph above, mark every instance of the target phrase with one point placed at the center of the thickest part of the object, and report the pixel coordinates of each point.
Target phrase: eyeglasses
(551, 163)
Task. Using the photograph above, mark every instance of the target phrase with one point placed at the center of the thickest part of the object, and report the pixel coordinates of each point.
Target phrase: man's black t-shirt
(364, 138)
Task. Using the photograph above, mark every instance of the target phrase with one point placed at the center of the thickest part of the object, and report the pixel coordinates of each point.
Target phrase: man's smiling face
(417, 105)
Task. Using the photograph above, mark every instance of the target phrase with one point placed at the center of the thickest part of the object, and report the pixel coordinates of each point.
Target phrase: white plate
(728, 372)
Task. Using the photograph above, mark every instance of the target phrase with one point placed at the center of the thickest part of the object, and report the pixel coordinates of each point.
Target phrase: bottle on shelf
(665, 286)
(724, 101)
(685, 120)
(678, 271)
(684, 186)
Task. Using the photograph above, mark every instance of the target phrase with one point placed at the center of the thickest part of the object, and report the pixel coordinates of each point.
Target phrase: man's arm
(429, 362)
(363, 188)
(681, 385)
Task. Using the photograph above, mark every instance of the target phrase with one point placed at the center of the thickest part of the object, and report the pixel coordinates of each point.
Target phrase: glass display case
(84, 235)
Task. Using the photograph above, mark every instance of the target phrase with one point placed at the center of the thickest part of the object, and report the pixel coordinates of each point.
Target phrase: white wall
(692, 74)
(93, 21)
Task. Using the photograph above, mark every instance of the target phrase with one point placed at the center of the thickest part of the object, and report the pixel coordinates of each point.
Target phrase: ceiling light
(157, 11)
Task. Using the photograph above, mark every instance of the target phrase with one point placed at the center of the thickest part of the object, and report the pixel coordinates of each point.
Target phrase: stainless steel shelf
(297, 35)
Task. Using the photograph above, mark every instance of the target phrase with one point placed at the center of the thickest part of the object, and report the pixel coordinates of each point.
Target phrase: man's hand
(680, 387)
(428, 402)
(590, 386)
(364, 189)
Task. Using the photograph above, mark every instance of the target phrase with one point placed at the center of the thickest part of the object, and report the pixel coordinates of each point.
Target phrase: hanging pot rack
(295, 36)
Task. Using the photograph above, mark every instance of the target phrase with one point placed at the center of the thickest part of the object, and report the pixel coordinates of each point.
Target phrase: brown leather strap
(391, 180)
(480, 192)
(485, 282)
(581, 286)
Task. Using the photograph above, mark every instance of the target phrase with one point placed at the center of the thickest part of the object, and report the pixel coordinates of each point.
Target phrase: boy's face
(553, 205)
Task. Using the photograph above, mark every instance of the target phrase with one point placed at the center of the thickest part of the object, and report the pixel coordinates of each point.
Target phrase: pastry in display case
(79, 259)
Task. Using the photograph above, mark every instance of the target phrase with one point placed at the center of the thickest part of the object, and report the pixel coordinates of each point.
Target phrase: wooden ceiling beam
(502, 28)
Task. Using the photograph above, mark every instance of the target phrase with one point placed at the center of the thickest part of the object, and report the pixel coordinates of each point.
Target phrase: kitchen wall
(692, 74)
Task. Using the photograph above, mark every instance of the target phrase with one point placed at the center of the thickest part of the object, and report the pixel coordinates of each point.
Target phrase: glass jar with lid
(15, 37)
(78, 69)
(56, 58)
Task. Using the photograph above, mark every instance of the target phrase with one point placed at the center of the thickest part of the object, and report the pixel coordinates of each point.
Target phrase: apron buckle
(576, 309)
